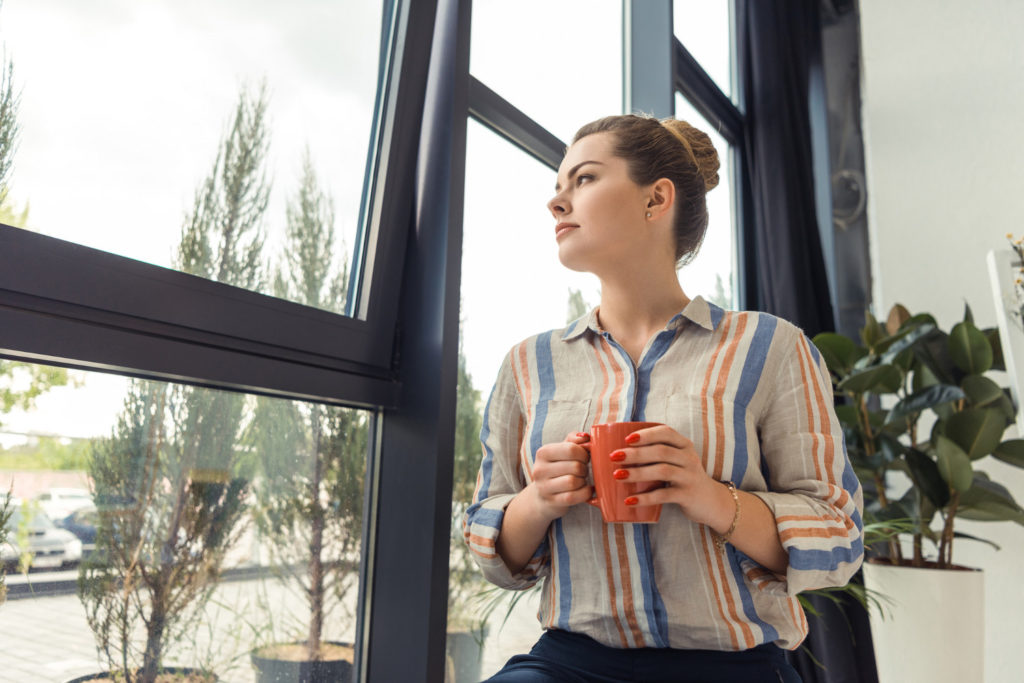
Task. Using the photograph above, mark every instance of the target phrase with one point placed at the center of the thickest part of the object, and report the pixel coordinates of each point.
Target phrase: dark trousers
(564, 657)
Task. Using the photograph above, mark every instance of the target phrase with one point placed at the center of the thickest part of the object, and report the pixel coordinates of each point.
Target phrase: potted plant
(312, 462)
(5, 516)
(918, 402)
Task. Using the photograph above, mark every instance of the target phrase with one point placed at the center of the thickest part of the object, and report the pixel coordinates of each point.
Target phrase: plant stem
(946, 545)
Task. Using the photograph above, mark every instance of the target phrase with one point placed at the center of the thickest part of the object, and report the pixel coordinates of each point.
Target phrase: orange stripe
(723, 378)
(480, 540)
(605, 383)
(614, 404)
(845, 521)
(627, 587)
(828, 532)
(718, 592)
(705, 445)
(748, 634)
(486, 556)
(610, 575)
(809, 408)
(792, 613)
(822, 413)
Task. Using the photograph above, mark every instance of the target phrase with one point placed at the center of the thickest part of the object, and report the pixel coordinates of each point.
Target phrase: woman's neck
(635, 309)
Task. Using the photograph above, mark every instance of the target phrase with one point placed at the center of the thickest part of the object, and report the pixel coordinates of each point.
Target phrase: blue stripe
(716, 315)
(661, 344)
(749, 379)
(546, 390)
(828, 560)
(487, 517)
(654, 606)
(770, 634)
(487, 466)
(564, 586)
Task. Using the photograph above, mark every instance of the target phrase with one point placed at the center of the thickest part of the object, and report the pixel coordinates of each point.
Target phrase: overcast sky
(123, 103)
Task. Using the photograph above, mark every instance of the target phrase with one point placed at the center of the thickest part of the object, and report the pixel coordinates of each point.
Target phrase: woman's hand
(560, 475)
(663, 454)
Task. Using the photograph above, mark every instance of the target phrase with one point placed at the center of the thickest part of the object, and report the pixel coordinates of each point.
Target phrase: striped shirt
(754, 396)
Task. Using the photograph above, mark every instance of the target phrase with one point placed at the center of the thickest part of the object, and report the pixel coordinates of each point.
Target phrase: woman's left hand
(663, 454)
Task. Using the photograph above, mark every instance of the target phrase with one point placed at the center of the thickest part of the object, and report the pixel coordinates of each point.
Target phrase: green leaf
(998, 362)
(839, 352)
(905, 339)
(922, 400)
(926, 476)
(954, 465)
(878, 379)
(1011, 451)
(933, 351)
(968, 316)
(969, 348)
(981, 390)
(960, 534)
(872, 332)
(923, 377)
(989, 501)
(977, 431)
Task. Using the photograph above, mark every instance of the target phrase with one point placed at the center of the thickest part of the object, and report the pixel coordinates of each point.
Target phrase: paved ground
(47, 639)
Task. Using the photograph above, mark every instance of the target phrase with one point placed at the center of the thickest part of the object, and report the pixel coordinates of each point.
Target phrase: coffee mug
(609, 492)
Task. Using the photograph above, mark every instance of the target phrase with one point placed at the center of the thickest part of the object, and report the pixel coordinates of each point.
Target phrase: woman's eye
(581, 178)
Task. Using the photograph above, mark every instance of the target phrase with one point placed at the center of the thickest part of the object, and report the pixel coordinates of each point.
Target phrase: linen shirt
(754, 396)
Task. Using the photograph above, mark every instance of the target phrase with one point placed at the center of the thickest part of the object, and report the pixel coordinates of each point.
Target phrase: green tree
(578, 306)
(312, 458)
(166, 481)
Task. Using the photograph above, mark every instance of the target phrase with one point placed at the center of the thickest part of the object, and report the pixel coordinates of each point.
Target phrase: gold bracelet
(722, 539)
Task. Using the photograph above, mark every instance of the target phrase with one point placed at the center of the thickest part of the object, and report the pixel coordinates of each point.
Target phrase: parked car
(59, 502)
(82, 523)
(31, 531)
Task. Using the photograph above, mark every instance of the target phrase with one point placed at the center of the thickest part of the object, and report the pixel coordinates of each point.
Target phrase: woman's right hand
(560, 475)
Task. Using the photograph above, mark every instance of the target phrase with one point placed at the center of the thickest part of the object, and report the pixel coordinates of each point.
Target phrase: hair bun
(700, 147)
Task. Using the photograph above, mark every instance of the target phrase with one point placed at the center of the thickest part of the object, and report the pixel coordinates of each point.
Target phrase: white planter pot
(933, 625)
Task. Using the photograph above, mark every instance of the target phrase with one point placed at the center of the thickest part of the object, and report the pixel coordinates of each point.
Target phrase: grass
(47, 454)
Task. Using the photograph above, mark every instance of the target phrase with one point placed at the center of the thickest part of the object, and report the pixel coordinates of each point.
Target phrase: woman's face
(599, 211)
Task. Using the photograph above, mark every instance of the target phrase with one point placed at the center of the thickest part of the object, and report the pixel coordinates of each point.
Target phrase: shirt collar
(699, 311)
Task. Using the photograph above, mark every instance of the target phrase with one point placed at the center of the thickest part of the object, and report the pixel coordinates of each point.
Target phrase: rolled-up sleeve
(812, 489)
(499, 480)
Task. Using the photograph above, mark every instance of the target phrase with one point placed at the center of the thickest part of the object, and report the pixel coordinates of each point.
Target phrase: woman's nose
(557, 206)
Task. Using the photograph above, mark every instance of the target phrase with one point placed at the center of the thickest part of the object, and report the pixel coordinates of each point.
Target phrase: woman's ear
(661, 198)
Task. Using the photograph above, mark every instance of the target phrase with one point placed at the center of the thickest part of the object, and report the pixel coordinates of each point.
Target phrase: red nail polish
(632, 438)
(580, 435)
(621, 474)
(617, 456)
(632, 500)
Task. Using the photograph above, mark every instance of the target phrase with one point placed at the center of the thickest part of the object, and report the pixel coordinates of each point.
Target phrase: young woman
(759, 502)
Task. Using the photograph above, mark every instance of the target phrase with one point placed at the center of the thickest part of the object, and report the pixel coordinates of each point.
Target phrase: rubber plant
(918, 400)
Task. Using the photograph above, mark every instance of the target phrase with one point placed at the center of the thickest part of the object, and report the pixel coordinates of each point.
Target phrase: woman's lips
(563, 228)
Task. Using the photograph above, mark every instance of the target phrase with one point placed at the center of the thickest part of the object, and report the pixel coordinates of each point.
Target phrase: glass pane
(712, 273)
(213, 138)
(232, 521)
(705, 28)
(558, 62)
(509, 257)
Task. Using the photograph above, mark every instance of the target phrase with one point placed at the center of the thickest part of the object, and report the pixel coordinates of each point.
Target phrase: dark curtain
(784, 266)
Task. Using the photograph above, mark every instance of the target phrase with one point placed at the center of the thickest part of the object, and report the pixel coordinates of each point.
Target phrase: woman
(759, 502)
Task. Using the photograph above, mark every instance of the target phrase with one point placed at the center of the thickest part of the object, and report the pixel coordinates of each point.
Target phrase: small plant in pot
(919, 402)
(312, 463)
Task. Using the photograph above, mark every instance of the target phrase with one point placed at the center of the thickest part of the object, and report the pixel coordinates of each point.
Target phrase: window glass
(558, 62)
(236, 517)
(704, 28)
(201, 136)
(513, 286)
(712, 273)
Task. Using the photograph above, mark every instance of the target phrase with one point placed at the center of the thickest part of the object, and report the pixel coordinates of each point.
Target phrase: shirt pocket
(721, 430)
(552, 420)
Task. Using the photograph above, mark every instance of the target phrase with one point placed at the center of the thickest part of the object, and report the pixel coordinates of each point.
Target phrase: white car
(58, 503)
(50, 547)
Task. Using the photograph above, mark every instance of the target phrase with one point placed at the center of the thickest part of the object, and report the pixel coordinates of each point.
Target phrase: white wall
(943, 114)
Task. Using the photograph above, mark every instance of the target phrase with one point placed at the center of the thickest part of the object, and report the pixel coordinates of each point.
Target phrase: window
(706, 30)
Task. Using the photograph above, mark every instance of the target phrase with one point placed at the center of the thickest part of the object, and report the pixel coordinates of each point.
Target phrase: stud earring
(648, 214)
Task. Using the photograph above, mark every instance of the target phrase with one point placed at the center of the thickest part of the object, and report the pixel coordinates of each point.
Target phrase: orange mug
(609, 492)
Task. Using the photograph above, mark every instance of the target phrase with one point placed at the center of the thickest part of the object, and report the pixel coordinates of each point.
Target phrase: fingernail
(632, 438)
(580, 435)
(621, 474)
(617, 456)
(632, 500)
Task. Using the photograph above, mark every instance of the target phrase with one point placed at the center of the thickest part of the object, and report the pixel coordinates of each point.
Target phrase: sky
(123, 103)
